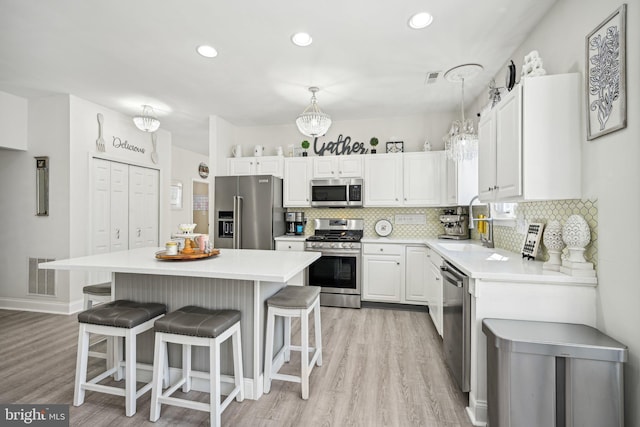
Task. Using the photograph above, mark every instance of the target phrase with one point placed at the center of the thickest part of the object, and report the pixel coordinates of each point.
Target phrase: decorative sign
(339, 147)
(117, 143)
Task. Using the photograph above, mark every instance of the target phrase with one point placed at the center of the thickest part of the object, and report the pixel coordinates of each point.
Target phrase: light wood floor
(381, 368)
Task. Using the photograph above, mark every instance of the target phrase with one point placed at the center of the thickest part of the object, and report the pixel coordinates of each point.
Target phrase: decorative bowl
(187, 228)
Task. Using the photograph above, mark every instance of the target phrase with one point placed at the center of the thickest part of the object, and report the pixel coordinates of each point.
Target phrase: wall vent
(41, 282)
(431, 77)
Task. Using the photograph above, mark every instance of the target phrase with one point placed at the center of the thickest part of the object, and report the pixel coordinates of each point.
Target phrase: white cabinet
(337, 166)
(295, 244)
(423, 177)
(383, 180)
(267, 165)
(529, 145)
(461, 182)
(404, 179)
(394, 273)
(297, 173)
(416, 274)
(434, 289)
(382, 272)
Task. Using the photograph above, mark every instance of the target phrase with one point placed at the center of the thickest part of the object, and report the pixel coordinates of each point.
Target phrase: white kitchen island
(235, 279)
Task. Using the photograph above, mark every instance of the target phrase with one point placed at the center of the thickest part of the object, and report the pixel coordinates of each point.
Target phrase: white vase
(552, 239)
(576, 234)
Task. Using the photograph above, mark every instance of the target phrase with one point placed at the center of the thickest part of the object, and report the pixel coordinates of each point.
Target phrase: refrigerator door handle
(237, 222)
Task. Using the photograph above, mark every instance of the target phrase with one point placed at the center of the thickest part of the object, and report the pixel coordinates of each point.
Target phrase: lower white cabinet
(394, 273)
(295, 244)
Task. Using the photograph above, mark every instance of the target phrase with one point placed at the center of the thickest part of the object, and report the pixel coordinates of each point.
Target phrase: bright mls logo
(34, 415)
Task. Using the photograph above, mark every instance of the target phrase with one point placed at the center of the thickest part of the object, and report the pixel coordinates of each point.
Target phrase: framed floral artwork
(605, 76)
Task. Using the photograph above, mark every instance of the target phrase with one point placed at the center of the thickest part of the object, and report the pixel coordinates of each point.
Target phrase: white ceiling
(366, 60)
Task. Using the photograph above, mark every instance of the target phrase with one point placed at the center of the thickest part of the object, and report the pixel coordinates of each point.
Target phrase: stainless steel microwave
(336, 193)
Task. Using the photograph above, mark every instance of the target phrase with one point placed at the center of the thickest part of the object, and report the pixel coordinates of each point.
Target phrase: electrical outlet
(410, 219)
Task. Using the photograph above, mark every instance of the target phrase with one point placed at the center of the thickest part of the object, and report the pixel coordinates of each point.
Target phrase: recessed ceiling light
(301, 39)
(420, 20)
(207, 51)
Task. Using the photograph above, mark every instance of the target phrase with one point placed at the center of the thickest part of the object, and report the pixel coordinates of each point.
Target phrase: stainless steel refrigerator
(248, 211)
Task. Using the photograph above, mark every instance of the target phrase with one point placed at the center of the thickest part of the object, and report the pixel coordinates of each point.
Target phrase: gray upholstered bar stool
(197, 326)
(93, 295)
(293, 301)
(123, 320)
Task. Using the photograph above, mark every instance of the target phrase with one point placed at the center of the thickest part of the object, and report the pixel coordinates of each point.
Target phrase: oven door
(337, 271)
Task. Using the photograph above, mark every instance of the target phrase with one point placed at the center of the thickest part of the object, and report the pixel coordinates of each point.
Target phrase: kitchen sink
(464, 247)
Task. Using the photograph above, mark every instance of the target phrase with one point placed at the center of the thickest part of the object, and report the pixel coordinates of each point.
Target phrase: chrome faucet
(488, 240)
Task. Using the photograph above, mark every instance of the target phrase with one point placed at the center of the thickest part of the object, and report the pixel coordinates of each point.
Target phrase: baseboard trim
(40, 306)
(477, 411)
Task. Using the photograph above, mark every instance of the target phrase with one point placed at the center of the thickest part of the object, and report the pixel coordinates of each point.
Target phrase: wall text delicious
(339, 147)
(117, 143)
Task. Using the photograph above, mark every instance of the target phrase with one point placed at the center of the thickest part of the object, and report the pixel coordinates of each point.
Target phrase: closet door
(143, 207)
(119, 207)
(101, 207)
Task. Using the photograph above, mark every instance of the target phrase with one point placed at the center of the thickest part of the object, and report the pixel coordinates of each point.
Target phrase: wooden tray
(197, 254)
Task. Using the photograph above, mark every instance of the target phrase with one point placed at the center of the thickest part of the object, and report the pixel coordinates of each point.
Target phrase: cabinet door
(461, 181)
(271, 165)
(119, 207)
(241, 166)
(350, 166)
(382, 278)
(383, 180)
(297, 173)
(434, 294)
(509, 145)
(417, 274)
(325, 167)
(423, 174)
(487, 156)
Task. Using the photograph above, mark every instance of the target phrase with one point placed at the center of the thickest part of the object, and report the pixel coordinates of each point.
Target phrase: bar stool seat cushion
(99, 289)
(197, 321)
(122, 313)
(294, 297)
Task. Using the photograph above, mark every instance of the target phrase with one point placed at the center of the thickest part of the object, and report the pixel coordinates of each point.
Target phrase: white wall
(184, 168)
(610, 172)
(13, 122)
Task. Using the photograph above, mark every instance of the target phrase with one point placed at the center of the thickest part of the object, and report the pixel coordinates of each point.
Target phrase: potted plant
(373, 141)
(305, 145)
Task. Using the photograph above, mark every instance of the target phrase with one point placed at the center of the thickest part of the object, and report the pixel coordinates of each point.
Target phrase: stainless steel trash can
(552, 374)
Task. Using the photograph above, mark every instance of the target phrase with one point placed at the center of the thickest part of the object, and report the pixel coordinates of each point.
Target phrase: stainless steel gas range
(338, 271)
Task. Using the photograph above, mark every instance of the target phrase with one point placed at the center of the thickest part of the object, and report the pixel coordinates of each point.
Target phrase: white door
(416, 274)
(297, 173)
(487, 156)
(242, 166)
(119, 207)
(350, 166)
(151, 207)
(382, 276)
(325, 167)
(509, 146)
(383, 180)
(271, 165)
(423, 178)
(143, 207)
(100, 207)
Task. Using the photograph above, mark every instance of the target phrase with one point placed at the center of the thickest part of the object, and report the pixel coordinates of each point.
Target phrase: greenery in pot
(305, 144)
(373, 141)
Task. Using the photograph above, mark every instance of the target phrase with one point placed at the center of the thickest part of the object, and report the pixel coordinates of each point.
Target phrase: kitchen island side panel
(180, 291)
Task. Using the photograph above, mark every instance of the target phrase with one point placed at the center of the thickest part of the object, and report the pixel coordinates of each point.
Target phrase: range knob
(347, 245)
(334, 245)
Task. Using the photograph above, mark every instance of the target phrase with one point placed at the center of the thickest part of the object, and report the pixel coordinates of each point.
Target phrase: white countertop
(239, 264)
(287, 238)
(490, 263)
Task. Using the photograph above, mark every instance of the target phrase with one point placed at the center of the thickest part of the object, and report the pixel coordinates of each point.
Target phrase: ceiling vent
(431, 77)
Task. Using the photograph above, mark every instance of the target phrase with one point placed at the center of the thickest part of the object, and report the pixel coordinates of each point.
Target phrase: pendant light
(313, 122)
(147, 121)
(461, 143)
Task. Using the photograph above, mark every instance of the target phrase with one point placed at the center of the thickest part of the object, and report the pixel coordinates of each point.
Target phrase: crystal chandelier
(147, 121)
(461, 143)
(313, 122)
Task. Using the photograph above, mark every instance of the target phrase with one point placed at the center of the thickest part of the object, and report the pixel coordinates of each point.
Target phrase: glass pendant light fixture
(147, 121)
(313, 122)
(461, 143)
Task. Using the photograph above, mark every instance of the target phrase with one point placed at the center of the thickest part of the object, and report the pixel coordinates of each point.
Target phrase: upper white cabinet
(461, 183)
(267, 165)
(530, 142)
(383, 180)
(297, 173)
(404, 179)
(337, 166)
(423, 177)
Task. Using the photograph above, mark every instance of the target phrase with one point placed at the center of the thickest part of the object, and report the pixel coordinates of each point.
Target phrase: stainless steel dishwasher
(456, 319)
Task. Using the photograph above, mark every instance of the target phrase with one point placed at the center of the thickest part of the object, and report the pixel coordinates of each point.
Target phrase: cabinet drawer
(434, 257)
(289, 246)
(382, 249)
